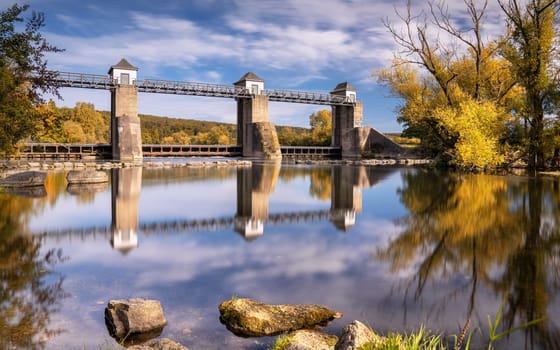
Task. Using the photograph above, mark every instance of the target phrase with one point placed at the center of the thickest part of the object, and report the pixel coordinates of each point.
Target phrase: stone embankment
(8, 166)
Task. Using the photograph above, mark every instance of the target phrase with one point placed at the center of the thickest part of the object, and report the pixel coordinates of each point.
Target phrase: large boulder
(159, 344)
(250, 318)
(134, 320)
(355, 335)
(24, 179)
(305, 340)
(89, 176)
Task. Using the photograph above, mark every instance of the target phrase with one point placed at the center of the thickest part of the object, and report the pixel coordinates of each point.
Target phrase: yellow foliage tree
(321, 127)
(74, 131)
(478, 127)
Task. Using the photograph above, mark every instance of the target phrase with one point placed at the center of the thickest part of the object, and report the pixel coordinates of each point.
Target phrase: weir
(256, 134)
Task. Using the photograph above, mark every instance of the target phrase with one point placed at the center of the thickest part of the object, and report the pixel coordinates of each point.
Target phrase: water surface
(392, 247)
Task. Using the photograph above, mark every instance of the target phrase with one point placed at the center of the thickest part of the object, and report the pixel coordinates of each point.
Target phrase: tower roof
(343, 87)
(250, 76)
(123, 64)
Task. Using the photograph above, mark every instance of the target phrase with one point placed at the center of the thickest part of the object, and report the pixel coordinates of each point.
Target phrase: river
(394, 247)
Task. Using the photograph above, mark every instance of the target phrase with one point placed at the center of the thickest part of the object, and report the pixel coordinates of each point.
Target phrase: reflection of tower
(346, 195)
(125, 194)
(253, 188)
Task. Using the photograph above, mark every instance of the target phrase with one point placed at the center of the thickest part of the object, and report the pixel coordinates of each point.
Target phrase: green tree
(24, 76)
(17, 114)
(529, 49)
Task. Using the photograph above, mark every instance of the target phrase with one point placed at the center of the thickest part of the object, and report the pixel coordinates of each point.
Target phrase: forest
(84, 124)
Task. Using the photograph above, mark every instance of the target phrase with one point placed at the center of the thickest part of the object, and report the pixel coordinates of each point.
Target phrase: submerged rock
(89, 176)
(355, 335)
(77, 189)
(159, 344)
(24, 179)
(305, 340)
(134, 320)
(28, 191)
(250, 318)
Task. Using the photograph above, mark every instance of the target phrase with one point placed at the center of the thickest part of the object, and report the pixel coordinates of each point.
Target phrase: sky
(309, 45)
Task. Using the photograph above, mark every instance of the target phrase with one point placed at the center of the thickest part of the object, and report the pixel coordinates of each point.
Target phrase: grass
(420, 340)
(424, 340)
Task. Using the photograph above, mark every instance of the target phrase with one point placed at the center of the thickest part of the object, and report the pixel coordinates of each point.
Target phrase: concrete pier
(126, 137)
(255, 133)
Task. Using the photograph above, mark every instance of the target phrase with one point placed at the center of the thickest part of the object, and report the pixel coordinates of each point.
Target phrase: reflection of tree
(476, 225)
(320, 186)
(28, 292)
(526, 284)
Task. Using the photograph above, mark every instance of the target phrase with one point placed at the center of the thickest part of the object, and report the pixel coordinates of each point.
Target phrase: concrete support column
(345, 120)
(126, 138)
(255, 133)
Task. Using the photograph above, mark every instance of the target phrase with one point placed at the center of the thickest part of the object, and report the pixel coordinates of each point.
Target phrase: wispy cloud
(306, 45)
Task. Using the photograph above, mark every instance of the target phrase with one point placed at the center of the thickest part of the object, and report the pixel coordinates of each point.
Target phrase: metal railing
(96, 81)
(81, 80)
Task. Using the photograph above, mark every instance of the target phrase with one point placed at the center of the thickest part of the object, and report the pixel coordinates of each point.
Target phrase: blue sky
(292, 44)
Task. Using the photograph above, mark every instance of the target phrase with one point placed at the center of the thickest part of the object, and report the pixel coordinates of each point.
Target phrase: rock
(134, 319)
(24, 179)
(355, 335)
(250, 318)
(89, 176)
(305, 340)
(159, 344)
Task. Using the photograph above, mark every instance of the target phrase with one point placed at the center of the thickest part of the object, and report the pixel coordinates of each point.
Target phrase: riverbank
(18, 165)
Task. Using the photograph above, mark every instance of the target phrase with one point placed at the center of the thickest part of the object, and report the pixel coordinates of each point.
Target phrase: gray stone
(355, 335)
(126, 318)
(306, 340)
(159, 344)
(24, 179)
(89, 176)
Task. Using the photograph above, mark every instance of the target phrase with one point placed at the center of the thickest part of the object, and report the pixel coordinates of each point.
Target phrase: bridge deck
(103, 151)
(96, 81)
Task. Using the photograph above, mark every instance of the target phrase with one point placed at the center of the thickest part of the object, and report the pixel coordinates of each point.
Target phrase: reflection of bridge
(254, 186)
(209, 224)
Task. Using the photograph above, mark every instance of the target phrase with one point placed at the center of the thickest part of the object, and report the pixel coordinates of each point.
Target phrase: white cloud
(291, 44)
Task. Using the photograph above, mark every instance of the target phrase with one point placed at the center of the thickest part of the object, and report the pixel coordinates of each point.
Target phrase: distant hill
(84, 124)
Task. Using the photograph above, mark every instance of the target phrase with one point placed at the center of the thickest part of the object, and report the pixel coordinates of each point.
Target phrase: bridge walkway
(75, 151)
(97, 81)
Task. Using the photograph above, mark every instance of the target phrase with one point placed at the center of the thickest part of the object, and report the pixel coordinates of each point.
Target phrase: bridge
(105, 82)
(77, 151)
(256, 135)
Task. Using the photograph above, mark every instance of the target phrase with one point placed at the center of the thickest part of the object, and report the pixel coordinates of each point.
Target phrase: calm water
(392, 247)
